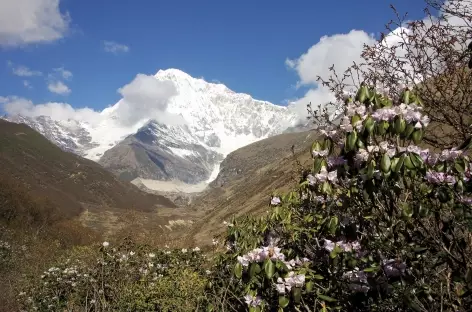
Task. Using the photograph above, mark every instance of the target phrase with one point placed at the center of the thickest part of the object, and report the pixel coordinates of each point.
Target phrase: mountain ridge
(217, 121)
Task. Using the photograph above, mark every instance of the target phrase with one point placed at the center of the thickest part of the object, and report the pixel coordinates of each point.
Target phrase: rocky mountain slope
(245, 183)
(67, 181)
(217, 121)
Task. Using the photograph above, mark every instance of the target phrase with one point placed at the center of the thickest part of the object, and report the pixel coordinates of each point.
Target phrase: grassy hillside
(247, 179)
(44, 193)
(64, 178)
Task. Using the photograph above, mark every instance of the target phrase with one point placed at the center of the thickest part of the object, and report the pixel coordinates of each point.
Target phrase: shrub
(128, 277)
(377, 224)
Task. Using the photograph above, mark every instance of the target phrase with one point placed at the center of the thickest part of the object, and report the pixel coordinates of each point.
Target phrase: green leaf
(309, 286)
(420, 249)
(351, 140)
(318, 277)
(296, 294)
(269, 268)
(416, 160)
(283, 301)
(333, 225)
(460, 165)
(417, 136)
(408, 163)
(254, 269)
(238, 270)
(371, 269)
(317, 164)
(326, 298)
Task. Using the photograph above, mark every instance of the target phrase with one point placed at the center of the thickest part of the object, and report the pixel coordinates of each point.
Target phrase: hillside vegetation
(43, 192)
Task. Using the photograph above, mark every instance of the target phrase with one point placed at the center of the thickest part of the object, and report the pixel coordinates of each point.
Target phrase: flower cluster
(261, 254)
(440, 178)
(291, 280)
(345, 246)
(323, 176)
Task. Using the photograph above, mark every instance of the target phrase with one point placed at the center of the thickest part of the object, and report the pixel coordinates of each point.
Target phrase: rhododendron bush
(379, 223)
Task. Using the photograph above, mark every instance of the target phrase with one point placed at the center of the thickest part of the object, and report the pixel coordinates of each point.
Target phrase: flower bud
(385, 163)
(407, 162)
(417, 136)
(316, 146)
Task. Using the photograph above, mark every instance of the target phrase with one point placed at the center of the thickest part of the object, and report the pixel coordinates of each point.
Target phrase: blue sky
(244, 44)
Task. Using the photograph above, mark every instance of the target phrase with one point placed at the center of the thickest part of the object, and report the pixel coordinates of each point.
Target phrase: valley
(209, 148)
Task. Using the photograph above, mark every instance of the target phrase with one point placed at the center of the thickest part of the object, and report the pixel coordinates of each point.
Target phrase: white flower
(280, 287)
(275, 201)
(196, 249)
(166, 246)
(106, 244)
(208, 272)
(152, 255)
(329, 245)
(214, 242)
(293, 280)
(184, 250)
(252, 300)
(244, 260)
(322, 153)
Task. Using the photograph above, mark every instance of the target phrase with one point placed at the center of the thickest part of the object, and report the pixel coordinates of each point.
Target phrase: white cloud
(25, 22)
(147, 98)
(14, 105)
(27, 84)
(144, 98)
(58, 87)
(64, 73)
(340, 50)
(114, 47)
(23, 71)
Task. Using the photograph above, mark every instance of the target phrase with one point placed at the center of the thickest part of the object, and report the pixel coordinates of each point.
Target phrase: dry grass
(264, 167)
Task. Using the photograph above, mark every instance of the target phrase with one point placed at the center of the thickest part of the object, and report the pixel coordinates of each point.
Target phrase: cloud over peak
(144, 98)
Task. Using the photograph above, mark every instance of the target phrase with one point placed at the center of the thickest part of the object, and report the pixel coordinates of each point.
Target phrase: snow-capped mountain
(217, 122)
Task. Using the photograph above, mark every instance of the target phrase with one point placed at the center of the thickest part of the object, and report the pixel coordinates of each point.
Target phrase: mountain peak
(172, 73)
